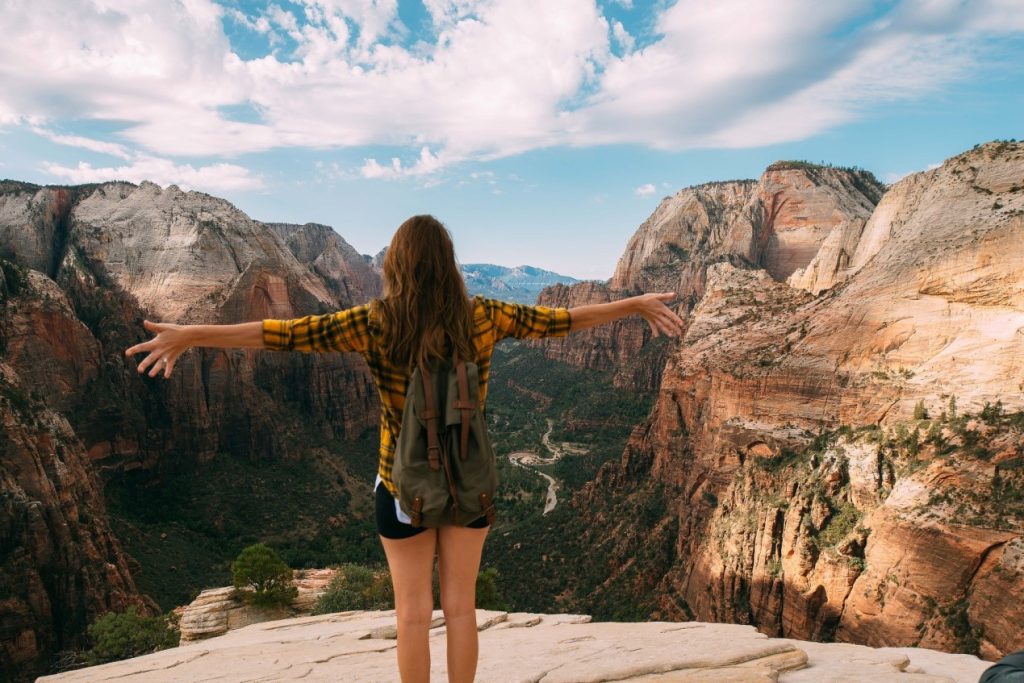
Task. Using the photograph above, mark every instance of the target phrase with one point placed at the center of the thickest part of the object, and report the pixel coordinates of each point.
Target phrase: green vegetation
(783, 459)
(841, 523)
(356, 587)
(14, 279)
(187, 527)
(957, 620)
(122, 635)
(488, 596)
(262, 577)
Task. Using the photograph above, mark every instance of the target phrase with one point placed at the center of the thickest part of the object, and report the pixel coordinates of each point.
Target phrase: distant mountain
(521, 284)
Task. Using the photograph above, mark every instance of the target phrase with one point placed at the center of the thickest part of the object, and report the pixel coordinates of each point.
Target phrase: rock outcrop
(802, 494)
(215, 611)
(360, 646)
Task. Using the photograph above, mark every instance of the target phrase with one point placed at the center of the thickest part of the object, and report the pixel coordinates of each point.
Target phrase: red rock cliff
(897, 531)
(778, 222)
(94, 261)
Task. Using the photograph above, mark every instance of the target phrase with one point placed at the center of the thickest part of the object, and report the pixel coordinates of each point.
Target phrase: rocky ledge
(558, 648)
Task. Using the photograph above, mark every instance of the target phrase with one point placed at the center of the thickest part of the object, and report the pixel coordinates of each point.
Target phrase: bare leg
(458, 563)
(411, 561)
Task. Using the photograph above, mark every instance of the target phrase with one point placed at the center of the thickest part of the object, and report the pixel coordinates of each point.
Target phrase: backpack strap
(430, 415)
(464, 404)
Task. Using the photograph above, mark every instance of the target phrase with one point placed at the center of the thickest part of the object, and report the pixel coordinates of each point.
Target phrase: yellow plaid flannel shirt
(354, 329)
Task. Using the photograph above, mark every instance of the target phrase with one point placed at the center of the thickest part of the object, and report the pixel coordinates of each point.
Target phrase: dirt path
(529, 460)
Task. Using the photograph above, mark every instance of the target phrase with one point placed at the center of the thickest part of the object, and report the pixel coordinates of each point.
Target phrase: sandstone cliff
(90, 262)
(60, 563)
(801, 493)
(778, 222)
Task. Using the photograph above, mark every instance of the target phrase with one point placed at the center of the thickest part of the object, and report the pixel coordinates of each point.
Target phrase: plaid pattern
(354, 329)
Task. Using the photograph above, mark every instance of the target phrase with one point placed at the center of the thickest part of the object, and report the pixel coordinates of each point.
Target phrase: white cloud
(495, 78)
(214, 177)
(645, 190)
(427, 163)
(111, 148)
(622, 37)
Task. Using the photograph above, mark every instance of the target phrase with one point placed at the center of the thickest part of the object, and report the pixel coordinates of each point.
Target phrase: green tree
(487, 594)
(263, 577)
(919, 411)
(122, 635)
(992, 413)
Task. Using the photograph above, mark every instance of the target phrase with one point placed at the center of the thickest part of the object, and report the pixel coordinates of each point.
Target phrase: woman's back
(359, 329)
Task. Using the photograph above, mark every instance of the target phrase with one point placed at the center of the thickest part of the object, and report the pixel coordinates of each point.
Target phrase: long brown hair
(425, 311)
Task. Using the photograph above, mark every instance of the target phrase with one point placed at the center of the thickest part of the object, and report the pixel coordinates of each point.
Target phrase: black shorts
(388, 524)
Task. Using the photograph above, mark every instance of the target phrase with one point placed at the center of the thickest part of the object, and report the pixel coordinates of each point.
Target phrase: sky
(541, 132)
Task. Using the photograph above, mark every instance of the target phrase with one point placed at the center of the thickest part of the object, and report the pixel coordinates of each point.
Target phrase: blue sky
(540, 132)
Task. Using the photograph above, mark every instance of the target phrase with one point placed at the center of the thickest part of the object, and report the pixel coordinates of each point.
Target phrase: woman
(425, 313)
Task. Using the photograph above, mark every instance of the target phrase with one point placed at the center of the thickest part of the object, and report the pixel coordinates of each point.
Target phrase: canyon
(814, 442)
(834, 453)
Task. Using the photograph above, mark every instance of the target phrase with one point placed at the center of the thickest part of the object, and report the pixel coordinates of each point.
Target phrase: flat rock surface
(518, 647)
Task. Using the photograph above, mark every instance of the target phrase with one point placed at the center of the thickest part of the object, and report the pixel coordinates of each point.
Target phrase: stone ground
(518, 647)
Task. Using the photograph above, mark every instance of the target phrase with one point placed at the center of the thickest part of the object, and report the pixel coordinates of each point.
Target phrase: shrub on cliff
(356, 587)
(487, 594)
(121, 635)
(262, 577)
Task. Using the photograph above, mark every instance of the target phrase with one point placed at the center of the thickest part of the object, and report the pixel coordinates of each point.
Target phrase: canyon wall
(811, 441)
(83, 267)
(778, 222)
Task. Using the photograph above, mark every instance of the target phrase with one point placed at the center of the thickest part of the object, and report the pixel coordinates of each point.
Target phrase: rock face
(360, 646)
(778, 223)
(344, 270)
(801, 493)
(59, 560)
(216, 611)
(82, 267)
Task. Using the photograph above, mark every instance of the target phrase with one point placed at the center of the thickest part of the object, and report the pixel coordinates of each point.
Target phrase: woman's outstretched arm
(172, 340)
(651, 306)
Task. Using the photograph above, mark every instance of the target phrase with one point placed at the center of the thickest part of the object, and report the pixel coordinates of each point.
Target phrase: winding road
(528, 460)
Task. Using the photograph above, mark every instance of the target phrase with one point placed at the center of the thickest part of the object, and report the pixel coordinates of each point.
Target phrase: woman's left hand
(171, 341)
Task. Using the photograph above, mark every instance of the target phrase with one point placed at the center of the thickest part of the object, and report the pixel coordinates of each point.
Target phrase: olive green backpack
(444, 468)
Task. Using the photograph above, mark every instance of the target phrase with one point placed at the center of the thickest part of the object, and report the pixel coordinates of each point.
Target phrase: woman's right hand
(171, 341)
(660, 317)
